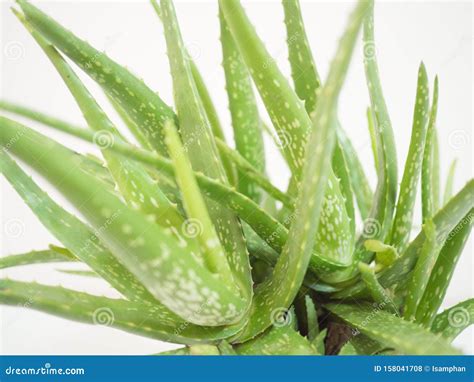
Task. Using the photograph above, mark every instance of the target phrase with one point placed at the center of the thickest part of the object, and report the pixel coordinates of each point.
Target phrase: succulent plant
(203, 248)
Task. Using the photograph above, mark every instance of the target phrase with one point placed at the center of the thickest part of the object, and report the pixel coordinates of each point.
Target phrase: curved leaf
(150, 252)
(134, 317)
(243, 109)
(429, 187)
(277, 341)
(406, 337)
(443, 270)
(34, 257)
(142, 104)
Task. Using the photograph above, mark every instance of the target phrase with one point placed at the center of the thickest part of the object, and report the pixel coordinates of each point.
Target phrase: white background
(439, 33)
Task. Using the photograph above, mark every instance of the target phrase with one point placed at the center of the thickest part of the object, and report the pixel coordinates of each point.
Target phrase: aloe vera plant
(203, 248)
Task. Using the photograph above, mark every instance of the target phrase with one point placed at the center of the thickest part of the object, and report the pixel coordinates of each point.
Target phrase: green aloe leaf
(454, 320)
(211, 249)
(207, 103)
(132, 179)
(278, 292)
(90, 164)
(318, 342)
(132, 239)
(80, 239)
(78, 272)
(359, 183)
(243, 109)
(443, 270)
(402, 223)
(285, 109)
(225, 348)
(142, 104)
(385, 255)
(373, 135)
(201, 147)
(303, 68)
(35, 257)
(134, 317)
(341, 169)
(423, 269)
(377, 291)
(281, 340)
(406, 337)
(312, 318)
(385, 194)
(429, 188)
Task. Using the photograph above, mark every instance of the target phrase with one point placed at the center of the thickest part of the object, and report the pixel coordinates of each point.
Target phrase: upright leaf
(392, 331)
(243, 108)
(429, 188)
(402, 223)
(359, 183)
(386, 191)
(307, 86)
(134, 317)
(207, 103)
(303, 69)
